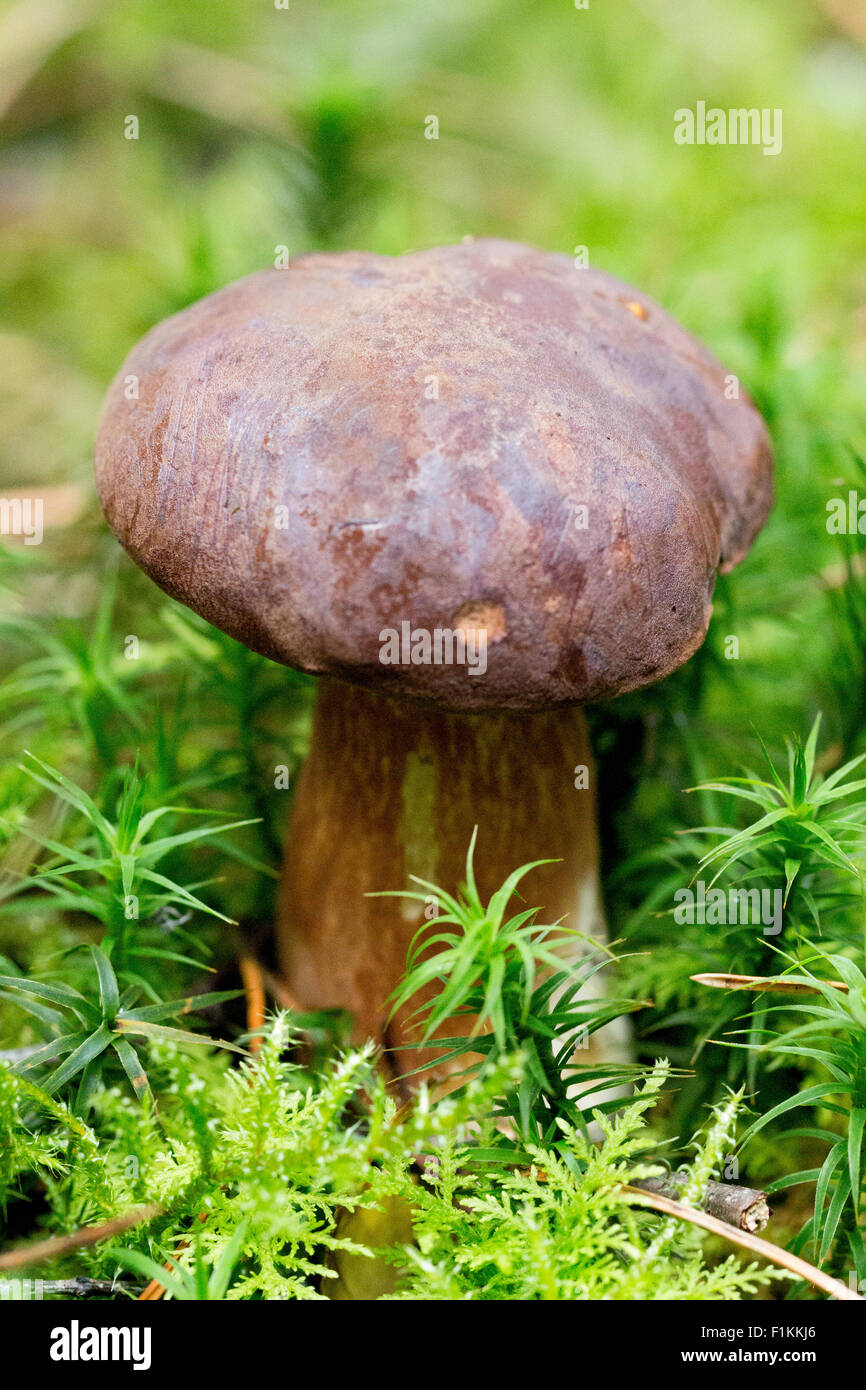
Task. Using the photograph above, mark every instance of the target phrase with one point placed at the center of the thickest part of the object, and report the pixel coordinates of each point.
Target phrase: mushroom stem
(393, 788)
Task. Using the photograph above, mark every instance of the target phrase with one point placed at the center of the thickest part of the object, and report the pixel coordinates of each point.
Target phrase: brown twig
(763, 1248)
(763, 984)
(254, 988)
(153, 1291)
(50, 1249)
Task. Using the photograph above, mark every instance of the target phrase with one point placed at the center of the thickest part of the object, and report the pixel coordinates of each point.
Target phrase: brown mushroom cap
(320, 453)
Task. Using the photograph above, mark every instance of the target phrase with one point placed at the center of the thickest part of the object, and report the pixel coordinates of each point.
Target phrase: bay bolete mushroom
(472, 488)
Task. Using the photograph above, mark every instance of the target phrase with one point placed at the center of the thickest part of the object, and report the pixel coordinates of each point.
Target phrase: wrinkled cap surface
(482, 436)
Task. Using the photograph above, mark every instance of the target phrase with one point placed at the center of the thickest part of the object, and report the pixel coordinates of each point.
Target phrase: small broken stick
(742, 1207)
(770, 984)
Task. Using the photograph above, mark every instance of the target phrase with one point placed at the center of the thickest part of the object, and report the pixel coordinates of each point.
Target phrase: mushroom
(336, 461)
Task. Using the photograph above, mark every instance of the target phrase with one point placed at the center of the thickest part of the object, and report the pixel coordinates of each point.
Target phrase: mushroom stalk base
(391, 789)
